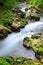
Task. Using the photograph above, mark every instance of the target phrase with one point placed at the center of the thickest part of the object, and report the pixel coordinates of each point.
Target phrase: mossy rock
(10, 21)
(21, 15)
(16, 9)
(7, 60)
(33, 18)
(4, 31)
(18, 22)
(35, 36)
(37, 46)
(27, 42)
(24, 61)
(39, 50)
(40, 57)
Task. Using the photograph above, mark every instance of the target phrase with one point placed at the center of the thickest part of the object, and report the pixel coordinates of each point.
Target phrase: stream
(13, 44)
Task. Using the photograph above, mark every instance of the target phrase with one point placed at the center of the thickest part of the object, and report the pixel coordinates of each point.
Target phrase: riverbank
(18, 61)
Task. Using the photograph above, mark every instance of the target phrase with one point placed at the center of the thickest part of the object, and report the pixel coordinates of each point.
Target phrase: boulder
(17, 22)
(4, 31)
(27, 42)
(32, 17)
(37, 46)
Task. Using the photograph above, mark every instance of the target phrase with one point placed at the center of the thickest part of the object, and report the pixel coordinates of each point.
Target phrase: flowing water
(13, 44)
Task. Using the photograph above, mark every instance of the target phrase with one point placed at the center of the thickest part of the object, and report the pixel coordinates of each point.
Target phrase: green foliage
(5, 17)
(2, 1)
(36, 3)
(6, 60)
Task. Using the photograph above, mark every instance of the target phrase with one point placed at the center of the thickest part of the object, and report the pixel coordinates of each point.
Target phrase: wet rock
(21, 15)
(27, 42)
(24, 61)
(40, 57)
(4, 31)
(32, 17)
(39, 50)
(10, 22)
(37, 46)
(17, 61)
(17, 22)
(35, 36)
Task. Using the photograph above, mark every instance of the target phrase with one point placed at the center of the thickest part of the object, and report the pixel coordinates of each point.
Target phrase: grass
(36, 3)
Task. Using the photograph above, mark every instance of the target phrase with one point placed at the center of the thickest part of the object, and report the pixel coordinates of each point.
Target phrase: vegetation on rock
(17, 61)
(38, 4)
(27, 42)
(11, 21)
(36, 45)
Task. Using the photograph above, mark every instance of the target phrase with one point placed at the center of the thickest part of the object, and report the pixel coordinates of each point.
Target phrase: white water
(13, 44)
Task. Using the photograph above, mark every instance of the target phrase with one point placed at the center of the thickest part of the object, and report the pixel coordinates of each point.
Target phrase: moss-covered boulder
(17, 22)
(11, 21)
(37, 46)
(18, 61)
(27, 42)
(4, 31)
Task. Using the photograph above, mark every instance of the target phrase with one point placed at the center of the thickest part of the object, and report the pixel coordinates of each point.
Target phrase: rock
(26, 42)
(17, 61)
(40, 57)
(16, 9)
(32, 17)
(39, 51)
(4, 31)
(21, 15)
(35, 36)
(18, 22)
(37, 46)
